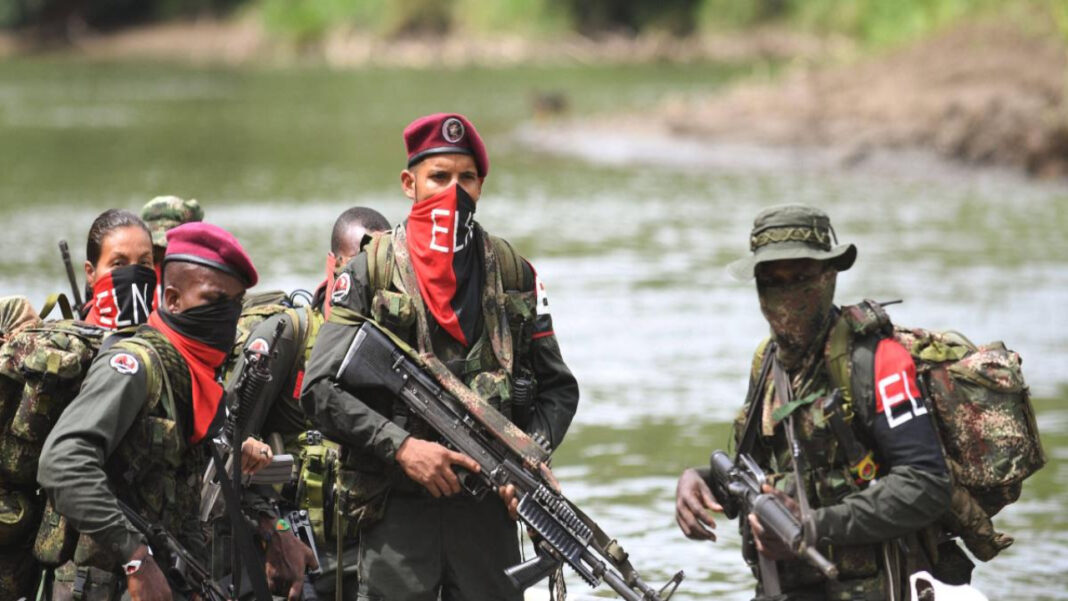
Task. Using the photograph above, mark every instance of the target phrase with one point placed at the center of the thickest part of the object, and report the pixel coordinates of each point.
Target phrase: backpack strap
(380, 260)
(511, 264)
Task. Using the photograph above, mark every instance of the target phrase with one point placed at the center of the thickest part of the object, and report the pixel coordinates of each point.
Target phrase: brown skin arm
(693, 501)
(288, 559)
(148, 583)
(430, 464)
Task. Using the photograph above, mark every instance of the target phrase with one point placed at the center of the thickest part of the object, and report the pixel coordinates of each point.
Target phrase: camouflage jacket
(366, 427)
(851, 520)
(125, 435)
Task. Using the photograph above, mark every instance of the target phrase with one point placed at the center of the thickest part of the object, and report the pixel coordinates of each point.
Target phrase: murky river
(632, 236)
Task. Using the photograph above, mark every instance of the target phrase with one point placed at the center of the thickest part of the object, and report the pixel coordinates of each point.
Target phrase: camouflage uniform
(412, 545)
(41, 369)
(283, 415)
(125, 435)
(165, 212)
(876, 534)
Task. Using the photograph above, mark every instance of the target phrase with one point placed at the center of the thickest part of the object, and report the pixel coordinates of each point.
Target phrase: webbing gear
(785, 392)
(861, 461)
(54, 299)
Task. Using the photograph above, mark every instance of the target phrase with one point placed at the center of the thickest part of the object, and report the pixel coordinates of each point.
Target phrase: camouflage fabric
(44, 366)
(798, 314)
(987, 425)
(479, 374)
(165, 212)
(16, 312)
(792, 232)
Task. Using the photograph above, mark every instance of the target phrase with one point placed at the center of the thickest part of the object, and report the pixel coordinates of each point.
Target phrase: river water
(630, 233)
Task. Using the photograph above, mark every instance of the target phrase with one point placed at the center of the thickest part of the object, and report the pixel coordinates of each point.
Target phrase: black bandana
(122, 297)
(214, 324)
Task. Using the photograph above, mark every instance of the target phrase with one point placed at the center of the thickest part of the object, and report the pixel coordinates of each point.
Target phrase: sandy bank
(986, 94)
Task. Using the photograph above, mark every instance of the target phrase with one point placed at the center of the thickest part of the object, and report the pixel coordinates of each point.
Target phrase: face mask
(123, 297)
(213, 324)
(798, 315)
(447, 260)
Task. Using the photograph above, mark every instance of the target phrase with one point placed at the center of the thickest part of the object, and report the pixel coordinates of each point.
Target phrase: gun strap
(755, 402)
(785, 391)
(241, 537)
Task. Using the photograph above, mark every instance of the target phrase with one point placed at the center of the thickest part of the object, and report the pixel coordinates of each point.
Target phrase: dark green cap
(165, 212)
(792, 232)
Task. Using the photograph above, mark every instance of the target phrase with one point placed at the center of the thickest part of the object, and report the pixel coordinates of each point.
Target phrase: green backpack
(42, 365)
(980, 404)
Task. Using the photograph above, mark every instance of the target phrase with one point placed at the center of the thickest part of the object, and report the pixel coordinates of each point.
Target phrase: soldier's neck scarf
(799, 314)
(203, 360)
(447, 259)
(123, 297)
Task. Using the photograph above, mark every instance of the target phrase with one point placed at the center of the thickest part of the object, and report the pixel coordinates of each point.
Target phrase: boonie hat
(792, 231)
(165, 212)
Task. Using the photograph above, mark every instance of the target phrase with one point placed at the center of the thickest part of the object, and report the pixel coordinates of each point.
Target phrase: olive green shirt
(72, 465)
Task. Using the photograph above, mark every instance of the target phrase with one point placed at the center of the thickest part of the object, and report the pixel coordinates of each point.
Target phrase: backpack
(41, 369)
(980, 405)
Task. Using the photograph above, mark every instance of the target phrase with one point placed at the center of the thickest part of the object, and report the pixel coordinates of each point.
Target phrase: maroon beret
(445, 133)
(212, 246)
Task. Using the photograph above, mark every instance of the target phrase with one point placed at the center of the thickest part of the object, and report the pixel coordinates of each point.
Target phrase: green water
(631, 234)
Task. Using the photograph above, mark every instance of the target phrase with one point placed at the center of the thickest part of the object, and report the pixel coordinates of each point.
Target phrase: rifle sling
(755, 402)
(241, 538)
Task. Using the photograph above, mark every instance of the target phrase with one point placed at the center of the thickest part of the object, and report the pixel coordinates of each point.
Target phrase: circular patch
(341, 288)
(259, 345)
(452, 130)
(125, 364)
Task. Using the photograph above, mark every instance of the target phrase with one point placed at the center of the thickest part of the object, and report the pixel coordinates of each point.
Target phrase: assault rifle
(505, 455)
(183, 572)
(246, 559)
(738, 486)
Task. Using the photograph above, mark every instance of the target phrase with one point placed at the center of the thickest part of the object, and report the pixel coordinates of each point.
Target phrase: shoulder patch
(542, 296)
(896, 391)
(342, 285)
(259, 345)
(125, 363)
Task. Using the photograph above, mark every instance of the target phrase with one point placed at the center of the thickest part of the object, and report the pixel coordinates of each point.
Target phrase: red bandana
(203, 360)
(441, 242)
(328, 284)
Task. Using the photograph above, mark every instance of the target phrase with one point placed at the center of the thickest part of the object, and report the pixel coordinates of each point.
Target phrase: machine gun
(183, 572)
(506, 455)
(738, 486)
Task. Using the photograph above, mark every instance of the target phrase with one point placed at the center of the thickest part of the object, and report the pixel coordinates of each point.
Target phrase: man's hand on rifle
(255, 455)
(288, 559)
(148, 583)
(693, 501)
(507, 492)
(767, 543)
(430, 464)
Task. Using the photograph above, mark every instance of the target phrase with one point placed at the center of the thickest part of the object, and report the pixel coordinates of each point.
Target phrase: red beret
(445, 133)
(212, 246)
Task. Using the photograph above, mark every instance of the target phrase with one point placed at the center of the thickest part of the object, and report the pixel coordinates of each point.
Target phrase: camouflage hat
(792, 232)
(165, 212)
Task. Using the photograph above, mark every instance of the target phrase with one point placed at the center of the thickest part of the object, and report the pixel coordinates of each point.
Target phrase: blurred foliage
(873, 22)
(58, 16)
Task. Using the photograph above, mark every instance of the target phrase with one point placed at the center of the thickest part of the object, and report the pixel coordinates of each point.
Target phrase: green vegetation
(872, 22)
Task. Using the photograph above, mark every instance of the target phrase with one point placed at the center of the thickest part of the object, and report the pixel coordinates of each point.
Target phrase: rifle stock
(377, 361)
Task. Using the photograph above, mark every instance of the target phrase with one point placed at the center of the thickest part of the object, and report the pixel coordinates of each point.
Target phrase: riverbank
(983, 93)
